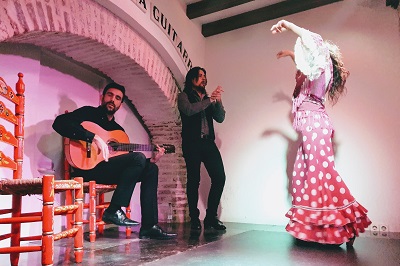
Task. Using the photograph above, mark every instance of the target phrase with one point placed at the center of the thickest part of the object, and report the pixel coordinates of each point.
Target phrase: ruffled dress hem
(327, 226)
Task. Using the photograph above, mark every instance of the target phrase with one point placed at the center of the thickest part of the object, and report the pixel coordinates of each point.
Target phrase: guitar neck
(131, 147)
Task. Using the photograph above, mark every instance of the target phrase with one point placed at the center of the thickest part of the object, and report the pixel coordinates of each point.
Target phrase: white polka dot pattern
(323, 208)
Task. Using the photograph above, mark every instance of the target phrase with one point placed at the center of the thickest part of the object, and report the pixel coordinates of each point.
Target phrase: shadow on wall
(292, 144)
(42, 137)
(43, 147)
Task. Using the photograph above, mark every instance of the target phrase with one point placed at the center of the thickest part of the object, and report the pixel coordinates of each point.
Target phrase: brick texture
(88, 33)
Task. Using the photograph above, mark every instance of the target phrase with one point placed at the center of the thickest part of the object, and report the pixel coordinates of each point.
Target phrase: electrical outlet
(374, 229)
(383, 230)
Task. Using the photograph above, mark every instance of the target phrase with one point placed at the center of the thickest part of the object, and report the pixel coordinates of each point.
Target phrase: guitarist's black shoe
(118, 218)
(155, 232)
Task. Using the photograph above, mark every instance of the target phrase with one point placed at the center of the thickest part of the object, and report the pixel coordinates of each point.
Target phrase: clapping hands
(216, 94)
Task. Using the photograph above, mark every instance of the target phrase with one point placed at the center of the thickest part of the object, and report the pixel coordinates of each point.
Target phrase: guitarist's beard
(108, 108)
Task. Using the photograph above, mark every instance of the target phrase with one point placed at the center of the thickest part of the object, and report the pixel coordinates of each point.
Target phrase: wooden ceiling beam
(206, 7)
(274, 11)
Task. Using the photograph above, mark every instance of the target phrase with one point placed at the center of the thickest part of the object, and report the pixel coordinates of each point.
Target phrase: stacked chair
(18, 186)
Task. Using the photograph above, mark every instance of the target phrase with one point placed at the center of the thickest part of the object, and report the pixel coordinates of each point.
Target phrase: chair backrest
(14, 116)
(18, 187)
(12, 111)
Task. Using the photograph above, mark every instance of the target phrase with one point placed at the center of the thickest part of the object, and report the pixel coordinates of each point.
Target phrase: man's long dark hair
(192, 74)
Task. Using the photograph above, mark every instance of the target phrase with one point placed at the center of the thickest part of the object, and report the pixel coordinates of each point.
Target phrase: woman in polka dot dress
(323, 210)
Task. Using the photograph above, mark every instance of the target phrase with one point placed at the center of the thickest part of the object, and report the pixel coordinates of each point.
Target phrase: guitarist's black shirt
(69, 125)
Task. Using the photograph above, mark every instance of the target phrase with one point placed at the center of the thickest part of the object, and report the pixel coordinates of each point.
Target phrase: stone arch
(90, 34)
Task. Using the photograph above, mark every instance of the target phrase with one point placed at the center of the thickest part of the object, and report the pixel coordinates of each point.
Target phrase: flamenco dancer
(323, 209)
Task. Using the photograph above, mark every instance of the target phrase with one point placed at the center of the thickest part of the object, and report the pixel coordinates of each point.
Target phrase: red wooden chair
(96, 205)
(17, 187)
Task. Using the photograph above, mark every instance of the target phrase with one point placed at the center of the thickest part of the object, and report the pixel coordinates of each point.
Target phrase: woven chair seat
(33, 186)
(100, 188)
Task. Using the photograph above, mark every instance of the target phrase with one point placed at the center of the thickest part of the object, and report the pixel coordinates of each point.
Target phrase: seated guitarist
(124, 170)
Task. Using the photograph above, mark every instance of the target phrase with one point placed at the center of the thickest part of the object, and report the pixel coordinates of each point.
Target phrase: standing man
(197, 111)
(124, 170)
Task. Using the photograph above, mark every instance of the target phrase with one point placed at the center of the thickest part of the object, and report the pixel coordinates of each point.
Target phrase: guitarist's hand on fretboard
(158, 154)
(103, 147)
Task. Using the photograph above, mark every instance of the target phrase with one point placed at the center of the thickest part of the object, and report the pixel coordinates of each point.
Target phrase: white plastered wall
(257, 141)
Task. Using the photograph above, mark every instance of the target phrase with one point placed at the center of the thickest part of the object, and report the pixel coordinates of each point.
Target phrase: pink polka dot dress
(323, 209)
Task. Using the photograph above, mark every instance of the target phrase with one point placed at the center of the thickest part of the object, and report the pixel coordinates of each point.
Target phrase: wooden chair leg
(68, 195)
(15, 228)
(92, 211)
(68, 201)
(128, 229)
(47, 221)
(100, 213)
(78, 222)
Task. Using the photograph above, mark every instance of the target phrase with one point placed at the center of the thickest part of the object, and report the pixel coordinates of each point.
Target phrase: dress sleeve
(311, 54)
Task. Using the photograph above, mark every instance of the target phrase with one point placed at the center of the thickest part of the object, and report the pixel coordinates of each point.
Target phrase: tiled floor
(242, 244)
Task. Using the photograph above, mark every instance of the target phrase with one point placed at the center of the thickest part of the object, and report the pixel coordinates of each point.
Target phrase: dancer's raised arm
(284, 25)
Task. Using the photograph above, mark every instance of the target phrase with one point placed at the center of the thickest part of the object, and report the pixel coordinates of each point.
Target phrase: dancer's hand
(284, 25)
(285, 53)
(281, 26)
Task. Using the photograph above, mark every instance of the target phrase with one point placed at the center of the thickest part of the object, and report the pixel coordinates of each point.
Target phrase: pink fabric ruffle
(331, 226)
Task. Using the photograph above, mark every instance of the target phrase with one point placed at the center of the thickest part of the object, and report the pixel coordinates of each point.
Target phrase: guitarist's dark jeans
(207, 152)
(125, 171)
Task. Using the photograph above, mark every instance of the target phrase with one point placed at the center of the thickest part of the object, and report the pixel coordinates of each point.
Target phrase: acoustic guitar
(81, 154)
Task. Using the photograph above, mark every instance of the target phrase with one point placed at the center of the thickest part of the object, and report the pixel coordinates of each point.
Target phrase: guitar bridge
(88, 148)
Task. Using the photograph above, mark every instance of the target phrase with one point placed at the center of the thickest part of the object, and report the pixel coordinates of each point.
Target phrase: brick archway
(90, 34)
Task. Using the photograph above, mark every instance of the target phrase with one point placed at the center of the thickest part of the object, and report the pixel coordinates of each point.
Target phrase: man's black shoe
(155, 233)
(195, 224)
(211, 232)
(118, 218)
(213, 223)
(195, 227)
